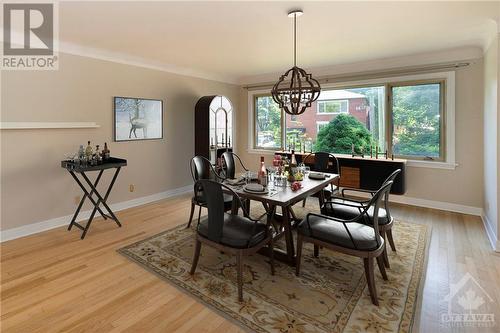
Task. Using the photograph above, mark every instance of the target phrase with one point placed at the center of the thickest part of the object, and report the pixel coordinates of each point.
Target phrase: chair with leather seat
(347, 208)
(233, 234)
(324, 162)
(201, 168)
(348, 236)
(229, 166)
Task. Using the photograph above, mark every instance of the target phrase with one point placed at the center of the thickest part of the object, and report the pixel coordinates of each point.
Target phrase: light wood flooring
(55, 282)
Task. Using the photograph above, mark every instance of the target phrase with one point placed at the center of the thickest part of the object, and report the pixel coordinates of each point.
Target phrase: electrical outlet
(77, 199)
(131, 187)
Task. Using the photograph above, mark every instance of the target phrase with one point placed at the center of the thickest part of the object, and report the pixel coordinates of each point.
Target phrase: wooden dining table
(285, 198)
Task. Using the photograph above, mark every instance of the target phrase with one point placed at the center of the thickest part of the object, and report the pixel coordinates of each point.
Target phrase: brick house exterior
(312, 119)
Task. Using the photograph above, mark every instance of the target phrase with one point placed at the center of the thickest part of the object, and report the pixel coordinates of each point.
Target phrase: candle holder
(353, 152)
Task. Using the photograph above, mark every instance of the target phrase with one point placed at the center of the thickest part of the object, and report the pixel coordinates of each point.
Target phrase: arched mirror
(213, 126)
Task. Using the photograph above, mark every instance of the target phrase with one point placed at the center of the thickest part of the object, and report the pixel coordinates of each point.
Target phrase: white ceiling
(232, 40)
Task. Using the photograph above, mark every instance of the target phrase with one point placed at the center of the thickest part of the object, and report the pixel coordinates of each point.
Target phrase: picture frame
(136, 119)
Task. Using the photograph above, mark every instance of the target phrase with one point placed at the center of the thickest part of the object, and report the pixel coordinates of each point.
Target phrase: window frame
(254, 125)
(442, 118)
(332, 113)
(447, 137)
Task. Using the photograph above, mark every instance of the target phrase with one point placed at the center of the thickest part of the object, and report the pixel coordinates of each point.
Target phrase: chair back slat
(229, 165)
(376, 202)
(214, 199)
(392, 178)
(322, 162)
(200, 168)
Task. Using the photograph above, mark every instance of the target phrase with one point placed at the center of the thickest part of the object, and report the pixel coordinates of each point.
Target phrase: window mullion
(388, 118)
(283, 130)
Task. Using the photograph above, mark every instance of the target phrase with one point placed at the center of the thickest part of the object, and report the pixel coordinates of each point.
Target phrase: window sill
(431, 165)
(257, 151)
(409, 163)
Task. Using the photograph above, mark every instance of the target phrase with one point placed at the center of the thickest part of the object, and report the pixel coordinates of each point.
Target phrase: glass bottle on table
(293, 160)
(81, 155)
(98, 155)
(88, 153)
(262, 175)
(105, 152)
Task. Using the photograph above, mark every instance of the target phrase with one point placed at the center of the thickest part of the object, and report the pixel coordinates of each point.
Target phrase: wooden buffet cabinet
(365, 172)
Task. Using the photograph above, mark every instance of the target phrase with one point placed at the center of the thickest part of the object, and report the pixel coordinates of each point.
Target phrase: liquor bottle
(81, 155)
(88, 152)
(98, 156)
(105, 152)
(293, 160)
(262, 175)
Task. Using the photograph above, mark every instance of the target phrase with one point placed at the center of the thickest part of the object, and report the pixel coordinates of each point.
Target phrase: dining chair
(202, 168)
(229, 166)
(232, 234)
(324, 162)
(348, 207)
(348, 236)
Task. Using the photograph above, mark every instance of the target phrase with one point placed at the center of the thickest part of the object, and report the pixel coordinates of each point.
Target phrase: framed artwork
(137, 119)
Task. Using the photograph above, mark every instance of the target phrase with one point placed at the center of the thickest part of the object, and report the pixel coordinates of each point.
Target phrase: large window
(268, 123)
(417, 118)
(358, 120)
(406, 118)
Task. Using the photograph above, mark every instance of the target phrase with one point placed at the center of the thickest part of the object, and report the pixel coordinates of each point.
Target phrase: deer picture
(136, 122)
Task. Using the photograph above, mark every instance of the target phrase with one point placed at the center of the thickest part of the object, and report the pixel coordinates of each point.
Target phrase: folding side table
(74, 169)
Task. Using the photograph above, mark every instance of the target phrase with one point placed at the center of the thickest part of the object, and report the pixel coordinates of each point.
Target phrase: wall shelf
(13, 125)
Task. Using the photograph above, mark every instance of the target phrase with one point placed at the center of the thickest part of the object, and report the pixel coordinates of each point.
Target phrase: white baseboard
(34, 228)
(495, 244)
(441, 205)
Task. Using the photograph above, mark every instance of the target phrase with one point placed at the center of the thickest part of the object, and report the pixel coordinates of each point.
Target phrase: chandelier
(295, 90)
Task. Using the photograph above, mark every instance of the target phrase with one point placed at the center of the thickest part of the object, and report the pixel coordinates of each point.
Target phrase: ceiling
(240, 39)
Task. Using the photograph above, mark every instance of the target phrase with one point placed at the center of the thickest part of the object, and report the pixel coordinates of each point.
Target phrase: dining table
(285, 198)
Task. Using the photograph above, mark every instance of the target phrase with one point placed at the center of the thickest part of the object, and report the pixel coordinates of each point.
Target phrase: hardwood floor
(53, 281)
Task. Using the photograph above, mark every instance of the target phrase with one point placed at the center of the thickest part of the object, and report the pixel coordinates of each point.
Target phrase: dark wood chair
(201, 168)
(229, 165)
(347, 208)
(349, 236)
(323, 162)
(233, 234)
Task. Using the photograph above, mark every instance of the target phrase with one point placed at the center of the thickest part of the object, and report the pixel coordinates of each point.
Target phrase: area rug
(331, 294)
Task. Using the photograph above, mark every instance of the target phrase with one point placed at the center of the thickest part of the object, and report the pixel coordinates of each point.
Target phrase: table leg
(235, 206)
(101, 200)
(271, 210)
(288, 235)
(85, 195)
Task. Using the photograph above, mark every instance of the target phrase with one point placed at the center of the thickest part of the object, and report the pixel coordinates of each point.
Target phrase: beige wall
(491, 136)
(34, 187)
(464, 185)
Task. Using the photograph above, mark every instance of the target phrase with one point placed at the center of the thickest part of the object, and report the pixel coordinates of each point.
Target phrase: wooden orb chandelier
(295, 90)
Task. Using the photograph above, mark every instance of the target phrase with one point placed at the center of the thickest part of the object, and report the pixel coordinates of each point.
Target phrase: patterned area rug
(331, 294)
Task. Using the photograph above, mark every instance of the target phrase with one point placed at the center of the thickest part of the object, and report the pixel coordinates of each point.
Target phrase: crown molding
(126, 59)
(421, 59)
(122, 58)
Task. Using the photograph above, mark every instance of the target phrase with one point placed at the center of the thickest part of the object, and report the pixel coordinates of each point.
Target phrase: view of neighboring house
(330, 104)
